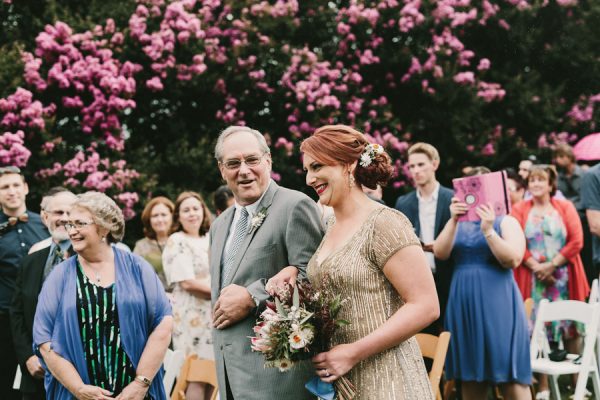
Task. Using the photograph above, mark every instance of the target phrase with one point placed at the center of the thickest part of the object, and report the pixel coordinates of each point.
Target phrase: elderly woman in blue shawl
(103, 322)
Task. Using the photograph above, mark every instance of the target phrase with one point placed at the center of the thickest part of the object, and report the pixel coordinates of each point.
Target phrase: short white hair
(238, 129)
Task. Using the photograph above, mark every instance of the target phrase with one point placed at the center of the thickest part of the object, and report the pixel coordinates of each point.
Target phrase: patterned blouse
(108, 365)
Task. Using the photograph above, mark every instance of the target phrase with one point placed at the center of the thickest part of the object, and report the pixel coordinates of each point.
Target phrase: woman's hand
(287, 275)
(457, 208)
(543, 272)
(134, 391)
(487, 215)
(90, 392)
(335, 363)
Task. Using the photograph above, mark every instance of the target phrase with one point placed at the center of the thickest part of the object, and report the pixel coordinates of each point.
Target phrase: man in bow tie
(34, 269)
(19, 229)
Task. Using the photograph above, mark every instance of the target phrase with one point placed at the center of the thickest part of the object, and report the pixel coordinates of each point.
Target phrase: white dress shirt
(427, 211)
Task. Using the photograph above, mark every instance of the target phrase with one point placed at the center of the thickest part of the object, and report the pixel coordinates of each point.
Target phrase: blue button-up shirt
(14, 245)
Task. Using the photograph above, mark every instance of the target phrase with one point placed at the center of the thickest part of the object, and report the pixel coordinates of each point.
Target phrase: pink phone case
(482, 189)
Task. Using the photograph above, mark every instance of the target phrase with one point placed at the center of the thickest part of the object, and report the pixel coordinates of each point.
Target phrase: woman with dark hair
(157, 219)
(371, 256)
(552, 267)
(103, 323)
(222, 199)
(485, 314)
(185, 261)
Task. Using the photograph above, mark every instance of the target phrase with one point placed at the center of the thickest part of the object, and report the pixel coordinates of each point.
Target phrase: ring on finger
(327, 374)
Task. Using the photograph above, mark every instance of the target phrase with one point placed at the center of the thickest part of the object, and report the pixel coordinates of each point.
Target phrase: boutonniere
(257, 220)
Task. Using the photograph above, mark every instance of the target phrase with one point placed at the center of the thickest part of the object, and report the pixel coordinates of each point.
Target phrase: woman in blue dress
(485, 314)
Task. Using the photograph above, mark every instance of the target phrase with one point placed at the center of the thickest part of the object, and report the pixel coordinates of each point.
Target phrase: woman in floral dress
(185, 261)
(552, 267)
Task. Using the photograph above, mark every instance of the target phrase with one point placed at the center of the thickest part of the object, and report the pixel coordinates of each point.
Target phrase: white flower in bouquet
(301, 337)
(283, 364)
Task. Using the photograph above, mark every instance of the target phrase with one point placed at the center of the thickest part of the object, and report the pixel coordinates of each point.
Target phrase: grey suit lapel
(266, 202)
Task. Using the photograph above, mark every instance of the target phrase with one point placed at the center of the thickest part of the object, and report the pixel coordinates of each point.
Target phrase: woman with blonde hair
(552, 267)
(103, 323)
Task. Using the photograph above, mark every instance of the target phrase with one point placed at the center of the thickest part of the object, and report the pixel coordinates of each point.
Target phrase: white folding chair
(172, 364)
(588, 315)
(594, 292)
(17, 381)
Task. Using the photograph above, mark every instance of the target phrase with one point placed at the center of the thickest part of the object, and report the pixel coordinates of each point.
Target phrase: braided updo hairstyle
(341, 144)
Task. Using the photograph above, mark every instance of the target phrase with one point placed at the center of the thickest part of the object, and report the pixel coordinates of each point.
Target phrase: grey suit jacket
(289, 235)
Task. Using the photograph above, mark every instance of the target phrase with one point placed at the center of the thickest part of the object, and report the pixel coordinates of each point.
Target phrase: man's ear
(436, 164)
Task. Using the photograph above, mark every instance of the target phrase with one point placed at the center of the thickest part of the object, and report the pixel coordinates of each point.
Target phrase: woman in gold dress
(371, 255)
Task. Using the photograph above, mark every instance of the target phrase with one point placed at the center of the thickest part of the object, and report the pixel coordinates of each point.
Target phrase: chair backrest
(172, 363)
(435, 348)
(594, 292)
(196, 370)
(587, 314)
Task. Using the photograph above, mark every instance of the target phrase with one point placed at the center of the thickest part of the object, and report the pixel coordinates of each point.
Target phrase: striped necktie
(238, 238)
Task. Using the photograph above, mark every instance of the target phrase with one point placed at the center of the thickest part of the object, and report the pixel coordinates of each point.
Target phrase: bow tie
(13, 220)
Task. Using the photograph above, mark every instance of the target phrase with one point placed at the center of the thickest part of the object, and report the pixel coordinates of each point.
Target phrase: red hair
(341, 144)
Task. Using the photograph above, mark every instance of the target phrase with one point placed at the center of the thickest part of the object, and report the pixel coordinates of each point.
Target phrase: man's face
(55, 215)
(247, 182)
(422, 169)
(13, 191)
(524, 167)
(562, 162)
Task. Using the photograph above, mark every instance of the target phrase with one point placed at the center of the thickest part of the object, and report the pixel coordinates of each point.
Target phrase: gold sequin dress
(356, 271)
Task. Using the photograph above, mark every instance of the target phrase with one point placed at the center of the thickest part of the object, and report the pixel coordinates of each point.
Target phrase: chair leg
(581, 384)
(554, 387)
(596, 381)
(449, 389)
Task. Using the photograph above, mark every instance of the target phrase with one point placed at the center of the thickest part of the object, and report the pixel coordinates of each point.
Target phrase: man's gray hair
(236, 129)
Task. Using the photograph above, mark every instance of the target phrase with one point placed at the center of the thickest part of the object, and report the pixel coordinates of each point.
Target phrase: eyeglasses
(10, 170)
(251, 161)
(77, 224)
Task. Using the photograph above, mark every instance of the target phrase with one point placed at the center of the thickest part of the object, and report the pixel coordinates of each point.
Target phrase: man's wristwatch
(143, 380)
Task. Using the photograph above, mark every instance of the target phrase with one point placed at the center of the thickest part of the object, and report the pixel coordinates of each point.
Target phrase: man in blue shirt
(590, 199)
(19, 230)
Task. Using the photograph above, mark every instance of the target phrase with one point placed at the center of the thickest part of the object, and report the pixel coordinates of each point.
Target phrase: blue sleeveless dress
(485, 315)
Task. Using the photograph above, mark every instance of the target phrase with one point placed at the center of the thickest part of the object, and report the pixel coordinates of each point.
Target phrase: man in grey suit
(268, 229)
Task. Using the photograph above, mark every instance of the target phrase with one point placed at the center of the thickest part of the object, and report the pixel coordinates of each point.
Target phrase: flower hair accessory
(371, 151)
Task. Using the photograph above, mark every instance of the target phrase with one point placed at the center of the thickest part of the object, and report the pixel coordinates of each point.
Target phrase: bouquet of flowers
(296, 325)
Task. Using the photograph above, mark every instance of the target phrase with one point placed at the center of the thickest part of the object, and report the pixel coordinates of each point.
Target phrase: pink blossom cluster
(12, 149)
(179, 25)
(281, 8)
(583, 111)
(22, 112)
(128, 200)
(92, 81)
(550, 140)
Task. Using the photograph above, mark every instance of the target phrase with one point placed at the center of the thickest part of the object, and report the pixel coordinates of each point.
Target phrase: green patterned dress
(108, 365)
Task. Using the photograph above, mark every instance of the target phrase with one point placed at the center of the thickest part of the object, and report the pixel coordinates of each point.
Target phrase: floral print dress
(186, 257)
(546, 234)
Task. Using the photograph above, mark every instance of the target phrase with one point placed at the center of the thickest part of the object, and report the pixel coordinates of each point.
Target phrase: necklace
(160, 246)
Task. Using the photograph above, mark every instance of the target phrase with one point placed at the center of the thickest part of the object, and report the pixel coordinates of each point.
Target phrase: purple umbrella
(588, 148)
